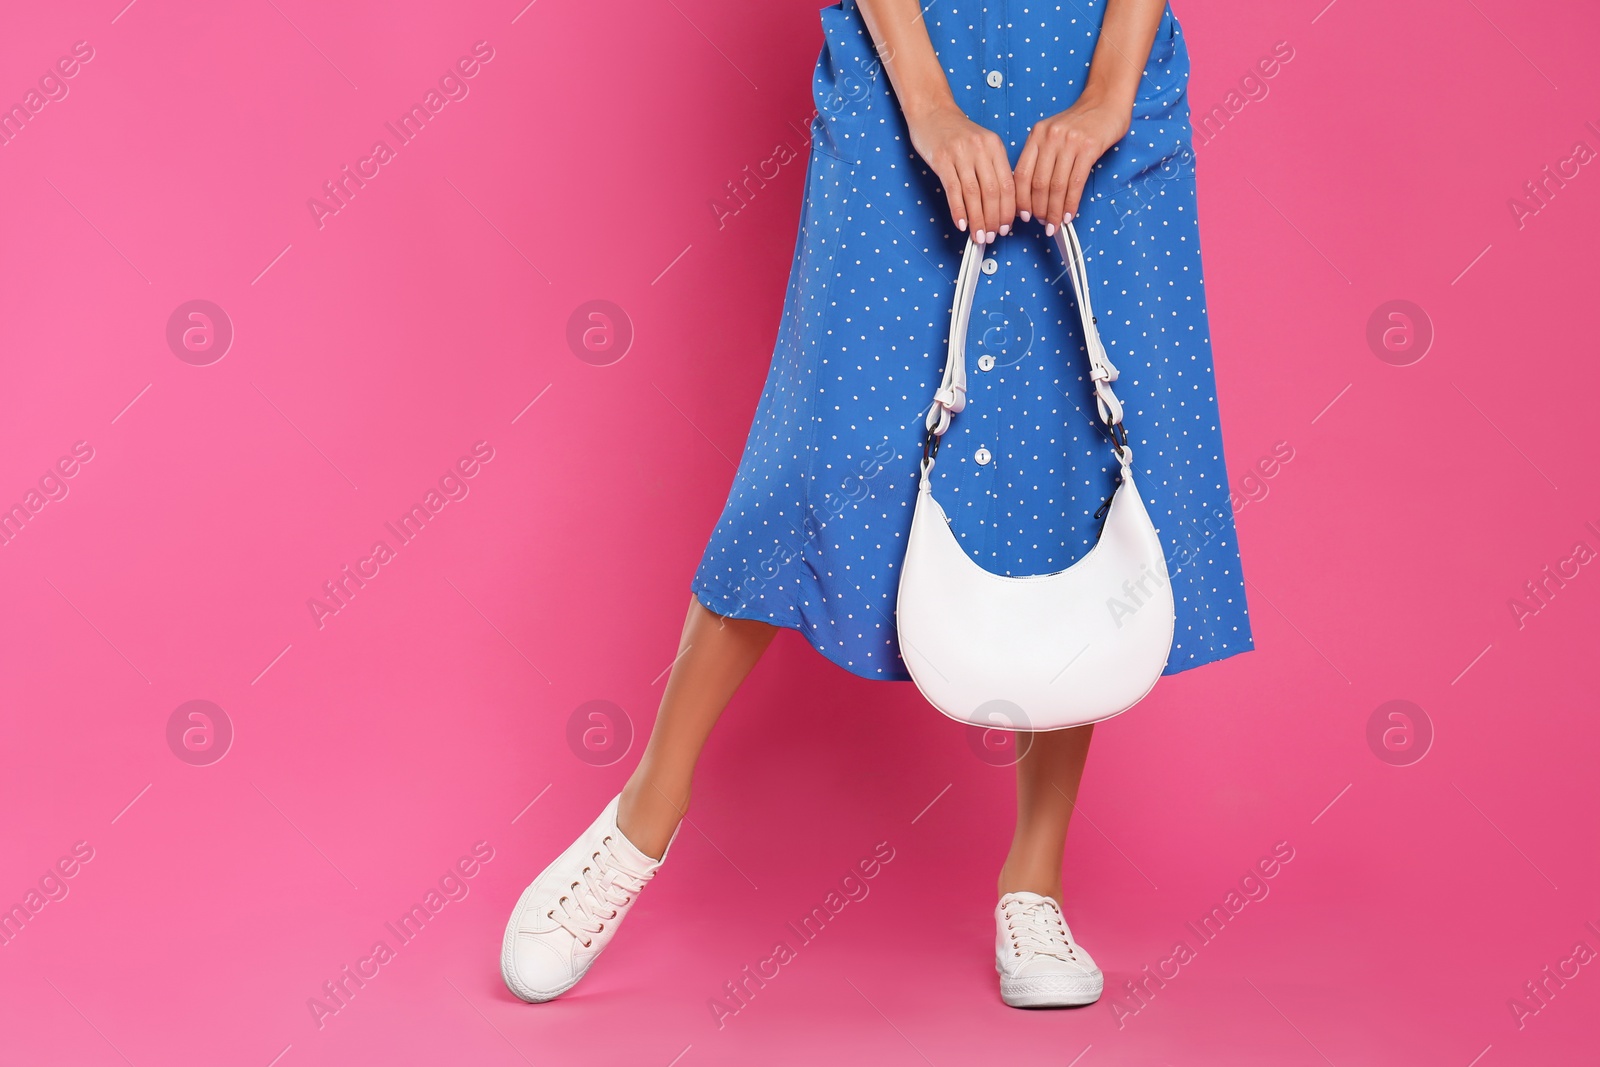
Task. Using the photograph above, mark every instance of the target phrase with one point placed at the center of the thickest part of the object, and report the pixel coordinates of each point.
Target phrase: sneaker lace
(594, 899)
(1037, 929)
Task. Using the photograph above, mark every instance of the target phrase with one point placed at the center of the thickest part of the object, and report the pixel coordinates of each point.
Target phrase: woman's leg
(1047, 788)
(714, 656)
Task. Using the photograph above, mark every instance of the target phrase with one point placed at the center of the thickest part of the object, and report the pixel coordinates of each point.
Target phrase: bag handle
(951, 396)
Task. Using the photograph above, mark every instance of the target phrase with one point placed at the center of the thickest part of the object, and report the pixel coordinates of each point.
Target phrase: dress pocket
(1156, 149)
(1166, 76)
(848, 85)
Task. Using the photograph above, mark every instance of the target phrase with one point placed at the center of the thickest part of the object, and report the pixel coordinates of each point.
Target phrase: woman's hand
(972, 163)
(1061, 149)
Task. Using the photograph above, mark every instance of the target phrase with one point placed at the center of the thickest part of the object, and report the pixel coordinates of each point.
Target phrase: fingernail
(989, 237)
(961, 224)
(1066, 218)
(1005, 229)
(1049, 229)
(1027, 216)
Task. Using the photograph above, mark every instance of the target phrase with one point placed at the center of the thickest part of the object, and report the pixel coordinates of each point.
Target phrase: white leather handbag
(1047, 651)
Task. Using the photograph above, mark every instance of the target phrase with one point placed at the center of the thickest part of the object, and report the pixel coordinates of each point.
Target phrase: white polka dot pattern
(814, 529)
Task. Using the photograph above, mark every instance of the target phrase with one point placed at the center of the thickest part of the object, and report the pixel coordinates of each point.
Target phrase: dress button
(990, 266)
(995, 79)
(986, 362)
(982, 456)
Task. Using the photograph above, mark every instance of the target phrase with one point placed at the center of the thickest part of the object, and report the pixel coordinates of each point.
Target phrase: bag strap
(951, 396)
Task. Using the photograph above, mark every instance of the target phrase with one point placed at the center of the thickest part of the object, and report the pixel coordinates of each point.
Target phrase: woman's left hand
(1061, 149)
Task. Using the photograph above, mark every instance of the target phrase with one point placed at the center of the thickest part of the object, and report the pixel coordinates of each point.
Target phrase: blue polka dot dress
(815, 526)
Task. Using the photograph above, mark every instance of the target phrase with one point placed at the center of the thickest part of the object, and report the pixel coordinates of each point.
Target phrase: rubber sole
(1050, 991)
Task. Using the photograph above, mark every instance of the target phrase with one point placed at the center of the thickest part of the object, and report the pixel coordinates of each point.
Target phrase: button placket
(996, 117)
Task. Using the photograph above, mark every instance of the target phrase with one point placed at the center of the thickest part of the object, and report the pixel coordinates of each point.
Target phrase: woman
(992, 111)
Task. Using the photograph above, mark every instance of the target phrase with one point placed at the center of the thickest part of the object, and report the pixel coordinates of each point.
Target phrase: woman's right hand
(972, 164)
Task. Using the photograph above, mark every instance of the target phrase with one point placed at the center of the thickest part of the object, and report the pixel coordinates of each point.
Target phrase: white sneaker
(572, 910)
(1040, 965)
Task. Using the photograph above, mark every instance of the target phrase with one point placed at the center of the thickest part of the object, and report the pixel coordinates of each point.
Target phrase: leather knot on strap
(1101, 369)
(953, 397)
(1110, 407)
(948, 401)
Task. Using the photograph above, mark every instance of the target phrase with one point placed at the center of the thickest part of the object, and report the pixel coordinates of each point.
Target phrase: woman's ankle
(648, 814)
(1019, 879)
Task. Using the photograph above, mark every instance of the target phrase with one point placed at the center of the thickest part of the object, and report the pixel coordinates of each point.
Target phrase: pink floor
(187, 492)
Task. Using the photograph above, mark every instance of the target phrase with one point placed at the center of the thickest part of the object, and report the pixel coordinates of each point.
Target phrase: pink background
(371, 754)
